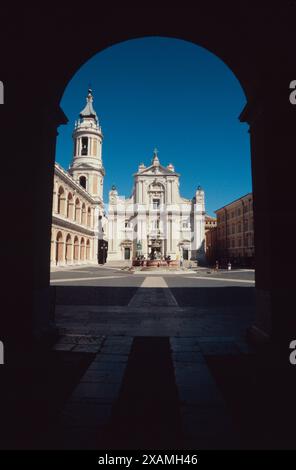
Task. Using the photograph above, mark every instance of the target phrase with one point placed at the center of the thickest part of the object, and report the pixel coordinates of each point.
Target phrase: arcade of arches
(74, 236)
(68, 248)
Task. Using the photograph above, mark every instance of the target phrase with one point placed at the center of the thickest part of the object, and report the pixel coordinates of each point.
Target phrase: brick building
(235, 232)
(210, 238)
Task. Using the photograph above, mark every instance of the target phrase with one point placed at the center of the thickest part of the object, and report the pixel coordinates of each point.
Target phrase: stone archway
(82, 249)
(88, 250)
(59, 249)
(76, 250)
(264, 75)
(69, 249)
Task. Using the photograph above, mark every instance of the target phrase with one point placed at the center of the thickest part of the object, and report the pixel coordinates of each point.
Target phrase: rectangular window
(156, 203)
(84, 146)
(155, 224)
(185, 253)
(185, 224)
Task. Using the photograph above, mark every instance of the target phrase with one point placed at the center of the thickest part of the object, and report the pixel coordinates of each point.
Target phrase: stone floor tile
(95, 390)
(87, 348)
(200, 394)
(63, 347)
(194, 357)
(111, 358)
(219, 348)
(108, 366)
(86, 414)
(103, 376)
(121, 349)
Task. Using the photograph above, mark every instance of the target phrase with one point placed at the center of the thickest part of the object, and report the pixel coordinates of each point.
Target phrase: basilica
(154, 222)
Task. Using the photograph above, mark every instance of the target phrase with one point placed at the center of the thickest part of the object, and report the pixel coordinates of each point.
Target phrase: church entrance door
(127, 253)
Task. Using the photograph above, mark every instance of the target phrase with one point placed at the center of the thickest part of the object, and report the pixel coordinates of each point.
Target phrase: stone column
(49, 118)
(72, 250)
(272, 130)
(52, 249)
(55, 200)
(63, 261)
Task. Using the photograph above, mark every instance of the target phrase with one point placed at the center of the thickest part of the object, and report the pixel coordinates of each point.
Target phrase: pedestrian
(217, 266)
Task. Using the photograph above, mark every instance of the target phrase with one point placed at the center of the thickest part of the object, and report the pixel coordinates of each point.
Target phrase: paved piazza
(200, 312)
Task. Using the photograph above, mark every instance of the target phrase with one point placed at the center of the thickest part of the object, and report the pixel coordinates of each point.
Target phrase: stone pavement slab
(205, 419)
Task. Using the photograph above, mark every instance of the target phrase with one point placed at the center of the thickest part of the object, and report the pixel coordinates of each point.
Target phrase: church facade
(156, 222)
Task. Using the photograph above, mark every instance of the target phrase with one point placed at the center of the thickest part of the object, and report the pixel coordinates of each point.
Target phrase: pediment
(160, 170)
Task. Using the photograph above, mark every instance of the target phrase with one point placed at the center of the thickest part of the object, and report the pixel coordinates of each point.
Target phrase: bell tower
(87, 166)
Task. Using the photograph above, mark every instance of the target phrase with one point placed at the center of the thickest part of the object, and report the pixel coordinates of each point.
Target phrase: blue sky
(173, 95)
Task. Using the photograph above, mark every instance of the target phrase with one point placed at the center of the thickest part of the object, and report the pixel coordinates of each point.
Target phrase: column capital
(271, 105)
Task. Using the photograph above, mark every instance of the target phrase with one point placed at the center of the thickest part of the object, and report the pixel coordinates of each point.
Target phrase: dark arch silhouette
(262, 61)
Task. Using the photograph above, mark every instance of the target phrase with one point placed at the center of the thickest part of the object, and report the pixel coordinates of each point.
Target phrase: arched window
(89, 217)
(82, 181)
(77, 211)
(61, 201)
(59, 248)
(83, 215)
(70, 206)
(68, 248)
